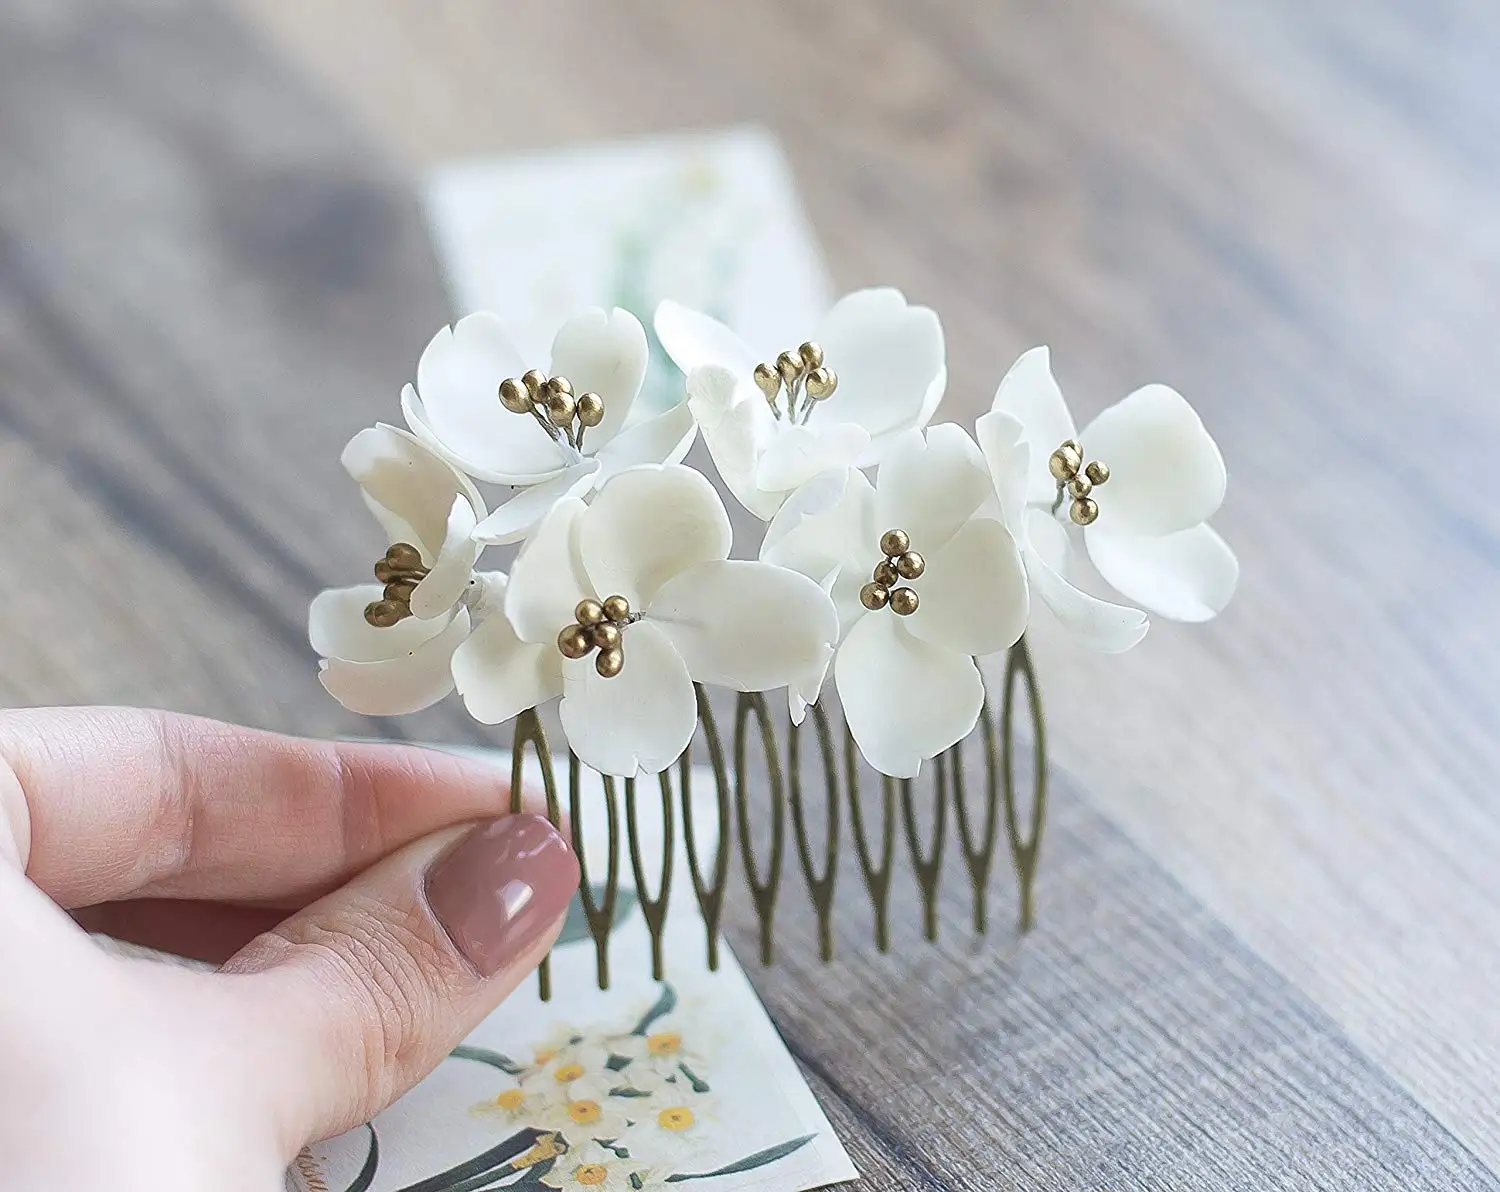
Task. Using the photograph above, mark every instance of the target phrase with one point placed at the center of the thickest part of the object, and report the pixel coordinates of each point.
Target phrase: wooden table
(1270, 945)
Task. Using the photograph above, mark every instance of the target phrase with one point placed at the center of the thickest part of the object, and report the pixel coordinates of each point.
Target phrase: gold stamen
(600, 626)
(590, 409)
(904, 601)
(874, 596)
(400, 570)
(1077, 480)
(893, 543)
(575, 641)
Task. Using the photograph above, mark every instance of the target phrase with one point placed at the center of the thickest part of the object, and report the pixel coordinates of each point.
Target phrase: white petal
(500, 676)
(548, 579)
(382, 672)
(1029, 394)
(661, 439)
(798, 453)
(930, 484)
(824, 526)
(1002, 439)
(646, 525)
(890, 362)
(337, 628)
(904, 699)
(456, 405)
(736, 427)
(408, 487)
(747, 626)
(521, 515)
(641, 720)
(453, 568)
(973, 595)
(1095, 624)
(605, 353)
(1165, 470)
(1187, 576)
(692, 340)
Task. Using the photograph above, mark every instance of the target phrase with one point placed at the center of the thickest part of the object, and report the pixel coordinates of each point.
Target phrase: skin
(297, 867)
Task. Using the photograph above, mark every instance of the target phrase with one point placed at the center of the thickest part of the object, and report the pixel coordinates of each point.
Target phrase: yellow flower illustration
(664, 1043)
(567, 1073)
(675, 1117)
(585, 1113)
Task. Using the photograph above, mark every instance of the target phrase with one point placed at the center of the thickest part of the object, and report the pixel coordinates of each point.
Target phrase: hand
(363, 924)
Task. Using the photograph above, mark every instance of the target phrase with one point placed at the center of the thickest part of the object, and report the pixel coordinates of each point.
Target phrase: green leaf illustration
(699, 1084)
(625, 1090)
(481, 1170)
(636, 1181)
(618, 1063)
(576, 926)
(366, 1175)
(664, 1005)
(483, 1055)
(749, 1163)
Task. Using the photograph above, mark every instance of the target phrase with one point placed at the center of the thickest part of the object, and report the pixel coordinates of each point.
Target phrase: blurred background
(215, 266)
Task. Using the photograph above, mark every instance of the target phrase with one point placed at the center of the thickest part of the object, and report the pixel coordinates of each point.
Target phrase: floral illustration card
(710, 220)
(649, 1085)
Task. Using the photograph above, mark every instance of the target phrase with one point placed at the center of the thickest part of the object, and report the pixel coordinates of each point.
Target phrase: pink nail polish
(500, 886)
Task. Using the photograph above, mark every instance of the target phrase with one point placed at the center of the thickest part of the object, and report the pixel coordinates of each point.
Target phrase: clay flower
(925, 577)
(1142, 479)
(874, 371)
(387, 646)
(620, 606)
(555, 434)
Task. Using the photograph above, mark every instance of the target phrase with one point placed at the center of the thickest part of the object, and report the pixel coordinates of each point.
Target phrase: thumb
(361, 994)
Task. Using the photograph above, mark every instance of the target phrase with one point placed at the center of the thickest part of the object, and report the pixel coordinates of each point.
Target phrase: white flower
(646, 568)
(387, 646)
(1145, 521)
(907, 679)
(874, 370)
(590, 1166)
(456, 407)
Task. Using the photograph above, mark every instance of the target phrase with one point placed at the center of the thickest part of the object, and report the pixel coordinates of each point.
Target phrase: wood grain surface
(212, 270)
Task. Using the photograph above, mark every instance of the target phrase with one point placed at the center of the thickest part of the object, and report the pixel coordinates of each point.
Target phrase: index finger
(110, 803)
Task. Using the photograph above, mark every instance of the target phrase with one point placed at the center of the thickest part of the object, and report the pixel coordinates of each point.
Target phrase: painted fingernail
(500, 886)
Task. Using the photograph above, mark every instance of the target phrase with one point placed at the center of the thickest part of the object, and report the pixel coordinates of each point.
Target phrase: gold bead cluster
(400, 571)
(804, 378)
(900, 562)
(551, 402)
(599, 627)
(1077, 480)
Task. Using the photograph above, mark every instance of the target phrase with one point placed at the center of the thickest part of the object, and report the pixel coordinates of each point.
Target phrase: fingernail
(500, 886)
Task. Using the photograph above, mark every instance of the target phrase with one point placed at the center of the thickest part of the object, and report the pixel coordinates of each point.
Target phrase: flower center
(599, 626)
(551, 402)
(900, 562)
(664, 1043)
(584, 1112)
(400, 571)
(677, 1117)
(802, 377)
(568, 1073)
(1077, 480)
(591, 1175)
(510, 1099)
